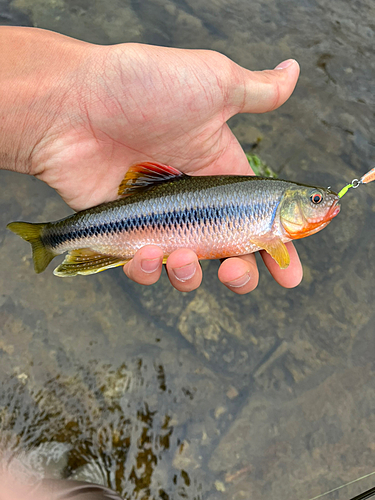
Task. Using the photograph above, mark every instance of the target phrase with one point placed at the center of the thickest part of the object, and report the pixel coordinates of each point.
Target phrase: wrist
(37, 71)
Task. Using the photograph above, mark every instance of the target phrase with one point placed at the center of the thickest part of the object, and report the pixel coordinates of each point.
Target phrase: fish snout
(335, 209)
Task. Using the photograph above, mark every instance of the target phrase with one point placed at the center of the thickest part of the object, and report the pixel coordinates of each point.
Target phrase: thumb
(262, 91)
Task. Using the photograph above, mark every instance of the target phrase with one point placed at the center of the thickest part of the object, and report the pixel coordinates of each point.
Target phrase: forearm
(37, 70)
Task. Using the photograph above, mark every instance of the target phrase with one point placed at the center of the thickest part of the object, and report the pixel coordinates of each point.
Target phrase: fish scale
(203, 220)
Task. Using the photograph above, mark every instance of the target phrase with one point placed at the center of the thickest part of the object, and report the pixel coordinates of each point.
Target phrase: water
(209, 395)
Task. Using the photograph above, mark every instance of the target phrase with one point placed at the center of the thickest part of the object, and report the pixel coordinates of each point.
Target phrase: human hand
(19, 480)
(103, 108)
(15, 488)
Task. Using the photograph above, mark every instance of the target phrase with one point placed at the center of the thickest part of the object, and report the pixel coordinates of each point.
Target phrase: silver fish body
(214, 221)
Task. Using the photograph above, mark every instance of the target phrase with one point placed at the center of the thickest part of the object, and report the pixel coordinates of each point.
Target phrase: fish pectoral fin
(86, 261)
(276, 248)
(143, 176)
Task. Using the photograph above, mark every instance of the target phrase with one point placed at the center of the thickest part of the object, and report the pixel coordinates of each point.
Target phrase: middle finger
(239, 274)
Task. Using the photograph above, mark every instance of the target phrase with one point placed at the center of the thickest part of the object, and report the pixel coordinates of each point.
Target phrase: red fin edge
(142, 176)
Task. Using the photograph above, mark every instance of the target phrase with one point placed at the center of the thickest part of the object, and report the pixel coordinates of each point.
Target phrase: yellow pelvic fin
(276, 248)
(86, 261)
(42, 256)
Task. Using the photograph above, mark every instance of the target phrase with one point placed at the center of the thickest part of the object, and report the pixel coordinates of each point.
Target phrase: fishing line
(366, 494)
(365, 179)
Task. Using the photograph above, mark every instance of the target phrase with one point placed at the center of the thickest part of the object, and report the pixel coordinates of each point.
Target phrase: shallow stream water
(209, 395)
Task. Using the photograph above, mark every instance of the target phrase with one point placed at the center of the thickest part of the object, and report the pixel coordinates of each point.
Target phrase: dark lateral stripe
(58, 235)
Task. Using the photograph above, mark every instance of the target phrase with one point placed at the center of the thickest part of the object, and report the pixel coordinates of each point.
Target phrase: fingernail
(185, 273)
(241, 281)
(150, 265)
(285, 64)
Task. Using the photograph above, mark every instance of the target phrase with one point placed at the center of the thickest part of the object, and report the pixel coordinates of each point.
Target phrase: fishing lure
(365, 179)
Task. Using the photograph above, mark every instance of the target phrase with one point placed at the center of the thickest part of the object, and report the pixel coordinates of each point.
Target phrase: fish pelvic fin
(32, 233)
(143, 176)
(86, 261)
(276, 248)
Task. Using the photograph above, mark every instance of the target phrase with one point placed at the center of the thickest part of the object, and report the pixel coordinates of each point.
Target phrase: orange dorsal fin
(143, 176)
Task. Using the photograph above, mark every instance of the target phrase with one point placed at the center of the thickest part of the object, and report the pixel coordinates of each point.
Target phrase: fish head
(305, 210)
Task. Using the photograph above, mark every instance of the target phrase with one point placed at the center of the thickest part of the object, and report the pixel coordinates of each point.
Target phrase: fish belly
(208, 241)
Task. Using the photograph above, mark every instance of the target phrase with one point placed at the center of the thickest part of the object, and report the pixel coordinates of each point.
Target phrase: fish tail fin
(42, 256)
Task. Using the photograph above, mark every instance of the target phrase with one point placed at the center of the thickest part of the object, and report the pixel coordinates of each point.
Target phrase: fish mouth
(334, 210)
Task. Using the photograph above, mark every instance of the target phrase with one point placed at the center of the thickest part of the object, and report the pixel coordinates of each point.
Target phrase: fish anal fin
(143, 176)
(86, 261)
(276, 248)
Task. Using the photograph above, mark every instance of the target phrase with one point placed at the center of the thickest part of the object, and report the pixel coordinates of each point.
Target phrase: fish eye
(316, 198)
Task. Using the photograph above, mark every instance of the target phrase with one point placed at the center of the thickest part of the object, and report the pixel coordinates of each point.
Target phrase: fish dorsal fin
(143, 176)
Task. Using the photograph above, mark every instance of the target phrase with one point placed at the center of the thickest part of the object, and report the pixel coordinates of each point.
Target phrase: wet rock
(306, 426)
(186, 457)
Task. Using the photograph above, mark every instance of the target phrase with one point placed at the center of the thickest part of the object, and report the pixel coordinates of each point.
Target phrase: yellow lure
(365, 179)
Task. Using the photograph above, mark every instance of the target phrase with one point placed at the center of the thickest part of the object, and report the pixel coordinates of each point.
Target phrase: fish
(215, 216)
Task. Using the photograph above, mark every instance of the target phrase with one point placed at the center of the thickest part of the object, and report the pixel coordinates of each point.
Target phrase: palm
(183, 126)
(130, 103)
